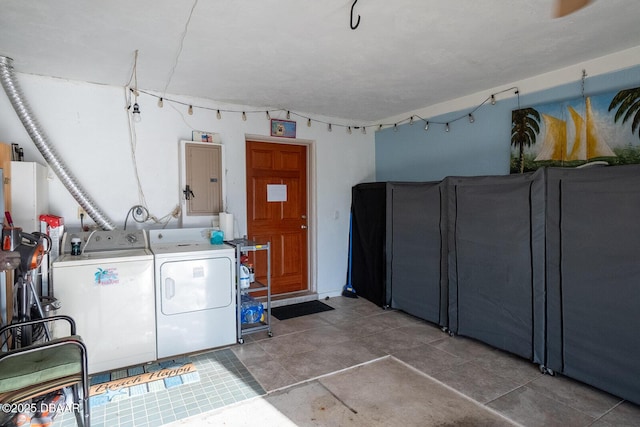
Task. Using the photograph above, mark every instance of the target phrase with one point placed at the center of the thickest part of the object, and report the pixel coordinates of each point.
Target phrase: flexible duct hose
(10, 85)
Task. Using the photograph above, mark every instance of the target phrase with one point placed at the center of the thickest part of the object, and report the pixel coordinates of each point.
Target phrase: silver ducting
(14, 93)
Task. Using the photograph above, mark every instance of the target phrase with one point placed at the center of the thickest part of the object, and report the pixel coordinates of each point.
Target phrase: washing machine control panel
(112, 240)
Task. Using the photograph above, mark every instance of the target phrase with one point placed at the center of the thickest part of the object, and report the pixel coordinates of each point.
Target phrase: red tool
(7, 215)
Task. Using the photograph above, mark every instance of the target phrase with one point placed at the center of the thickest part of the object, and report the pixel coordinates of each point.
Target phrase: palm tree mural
(628, 103)
(525, 125)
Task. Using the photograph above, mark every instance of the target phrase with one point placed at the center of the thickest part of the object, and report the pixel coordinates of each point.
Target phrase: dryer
(195, 291)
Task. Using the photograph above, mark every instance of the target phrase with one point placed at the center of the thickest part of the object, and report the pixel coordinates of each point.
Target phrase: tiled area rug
(223, 380)
(124, 383)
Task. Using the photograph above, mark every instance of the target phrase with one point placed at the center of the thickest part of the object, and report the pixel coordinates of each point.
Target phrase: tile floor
(304, 349)
(358, 331)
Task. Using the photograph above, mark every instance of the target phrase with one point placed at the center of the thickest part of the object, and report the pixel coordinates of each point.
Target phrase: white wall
(87, 125)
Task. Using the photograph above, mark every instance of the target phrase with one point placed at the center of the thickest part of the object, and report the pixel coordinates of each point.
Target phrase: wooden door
(277, 212)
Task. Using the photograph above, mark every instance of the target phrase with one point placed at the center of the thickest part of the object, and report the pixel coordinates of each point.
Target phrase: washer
(195, 291)
(109, 292)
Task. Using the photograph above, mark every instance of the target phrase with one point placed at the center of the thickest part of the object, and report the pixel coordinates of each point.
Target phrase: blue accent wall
(479, 148)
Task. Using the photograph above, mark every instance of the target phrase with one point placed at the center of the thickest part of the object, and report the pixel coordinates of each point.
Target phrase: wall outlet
(81, 211)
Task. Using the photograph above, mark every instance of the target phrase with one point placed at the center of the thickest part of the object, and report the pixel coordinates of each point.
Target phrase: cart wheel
(240, 340)
(270, 334)
(547, 371)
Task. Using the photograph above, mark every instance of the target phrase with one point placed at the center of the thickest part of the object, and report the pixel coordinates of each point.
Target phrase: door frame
(312, 215)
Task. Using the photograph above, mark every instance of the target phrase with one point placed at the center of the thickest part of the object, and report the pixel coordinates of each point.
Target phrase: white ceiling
(302, 55)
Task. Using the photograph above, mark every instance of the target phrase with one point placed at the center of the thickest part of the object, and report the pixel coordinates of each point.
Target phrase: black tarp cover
(593, 277)
(496, 261)
(418, 234)
(369, 240)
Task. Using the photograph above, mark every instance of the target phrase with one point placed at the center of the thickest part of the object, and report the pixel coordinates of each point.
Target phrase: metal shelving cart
(264, 324)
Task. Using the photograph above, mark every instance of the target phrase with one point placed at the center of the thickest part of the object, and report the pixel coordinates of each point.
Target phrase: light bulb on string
(426, 126)
(446, 127)
(190, 110)
(493, 100)
(160, 103)
(349, 130)
(268, 115)
(364, 130)
(411, 120)
(218, 115)
(379, 127)
(288, 115)
(329, 127)
(308, 123)
(395, 127)
(244, 116)
(471, 119)
(136, 113)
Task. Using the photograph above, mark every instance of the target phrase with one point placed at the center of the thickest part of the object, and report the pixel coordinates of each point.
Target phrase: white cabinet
(29, 194)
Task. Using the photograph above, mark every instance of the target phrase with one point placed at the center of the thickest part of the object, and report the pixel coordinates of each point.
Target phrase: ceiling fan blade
(565, 7)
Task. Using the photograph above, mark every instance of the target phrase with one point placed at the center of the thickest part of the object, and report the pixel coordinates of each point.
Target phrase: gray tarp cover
(418, 230)
(593, 277)
(496, 261)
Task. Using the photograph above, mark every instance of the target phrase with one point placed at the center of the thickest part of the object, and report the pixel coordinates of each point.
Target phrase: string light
(468, 115)
(364, 130)
(410, 120)
(136, 113)
(349, 130)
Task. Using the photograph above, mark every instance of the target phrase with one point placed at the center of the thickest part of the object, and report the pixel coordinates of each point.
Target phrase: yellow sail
(596, 147)
(555, 139)
(579, 149)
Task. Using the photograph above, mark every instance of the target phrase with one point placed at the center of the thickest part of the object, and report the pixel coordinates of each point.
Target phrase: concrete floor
(360, 365)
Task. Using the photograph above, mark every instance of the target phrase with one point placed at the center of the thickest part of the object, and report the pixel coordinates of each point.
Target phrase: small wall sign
(276, 193)
(283, 128)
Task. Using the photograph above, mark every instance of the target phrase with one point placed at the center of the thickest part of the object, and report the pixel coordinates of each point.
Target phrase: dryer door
(194, 285)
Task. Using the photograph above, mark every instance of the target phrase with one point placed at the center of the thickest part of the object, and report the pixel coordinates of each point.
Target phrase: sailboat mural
(586, 145)
(575, 132)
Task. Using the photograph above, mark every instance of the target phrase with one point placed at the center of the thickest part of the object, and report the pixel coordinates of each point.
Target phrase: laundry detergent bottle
(244, 277)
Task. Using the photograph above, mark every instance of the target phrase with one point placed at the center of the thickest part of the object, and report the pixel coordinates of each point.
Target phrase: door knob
(303, 226)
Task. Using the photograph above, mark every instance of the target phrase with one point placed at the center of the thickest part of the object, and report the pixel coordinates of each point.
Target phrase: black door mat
(301, 309)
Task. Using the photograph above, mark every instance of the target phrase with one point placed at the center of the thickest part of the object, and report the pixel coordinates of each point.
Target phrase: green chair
(41, 368)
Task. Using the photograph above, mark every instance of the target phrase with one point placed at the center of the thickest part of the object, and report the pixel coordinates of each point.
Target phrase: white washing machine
(109, 292)
(195, 291)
